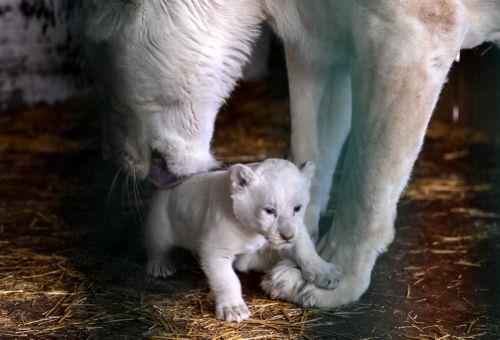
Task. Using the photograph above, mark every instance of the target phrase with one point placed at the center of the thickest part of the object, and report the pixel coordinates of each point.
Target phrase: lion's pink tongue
(162, 178)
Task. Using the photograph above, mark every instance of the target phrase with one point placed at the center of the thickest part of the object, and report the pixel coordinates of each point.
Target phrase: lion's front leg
(320, 99)
(396, 83)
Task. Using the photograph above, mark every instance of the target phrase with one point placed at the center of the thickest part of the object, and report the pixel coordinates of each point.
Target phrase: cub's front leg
(224, 283)
(315, 270)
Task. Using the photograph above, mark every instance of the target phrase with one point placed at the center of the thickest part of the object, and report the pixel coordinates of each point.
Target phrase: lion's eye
(297, 208)
(270, 211)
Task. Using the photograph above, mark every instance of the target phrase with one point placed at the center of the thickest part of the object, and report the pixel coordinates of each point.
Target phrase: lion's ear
(241, 177)
(308, 169)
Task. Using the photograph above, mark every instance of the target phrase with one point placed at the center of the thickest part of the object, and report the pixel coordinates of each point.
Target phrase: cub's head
(271, 198)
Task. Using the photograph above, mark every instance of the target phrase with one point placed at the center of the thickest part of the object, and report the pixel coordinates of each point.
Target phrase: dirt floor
(72, 265)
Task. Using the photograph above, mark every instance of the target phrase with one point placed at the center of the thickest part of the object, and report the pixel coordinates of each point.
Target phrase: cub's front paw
(232, 311)
(324, 275)
(164, 270)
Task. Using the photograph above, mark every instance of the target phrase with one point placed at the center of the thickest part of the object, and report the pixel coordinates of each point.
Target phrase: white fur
(229, 216)
(390, 60)
(371, 68)
(164, 68)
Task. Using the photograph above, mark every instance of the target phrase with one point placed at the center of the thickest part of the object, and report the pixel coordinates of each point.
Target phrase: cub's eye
(270, 211)
(297, 208)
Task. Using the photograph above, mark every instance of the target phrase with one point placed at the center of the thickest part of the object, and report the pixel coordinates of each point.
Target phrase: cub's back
(186, 204)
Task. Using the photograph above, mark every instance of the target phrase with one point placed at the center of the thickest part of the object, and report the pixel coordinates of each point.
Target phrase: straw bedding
(72, 265)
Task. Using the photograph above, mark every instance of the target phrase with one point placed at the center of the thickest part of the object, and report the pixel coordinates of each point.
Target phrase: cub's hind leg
(158, 239)
(159, 264)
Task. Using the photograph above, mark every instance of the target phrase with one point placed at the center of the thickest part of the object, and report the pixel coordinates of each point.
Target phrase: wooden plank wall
(473, 91)
(38, 51)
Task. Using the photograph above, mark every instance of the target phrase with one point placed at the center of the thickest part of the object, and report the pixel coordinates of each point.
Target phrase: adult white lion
(370, 69)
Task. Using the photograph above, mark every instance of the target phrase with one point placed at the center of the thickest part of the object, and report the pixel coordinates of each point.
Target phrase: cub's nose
(287, 235)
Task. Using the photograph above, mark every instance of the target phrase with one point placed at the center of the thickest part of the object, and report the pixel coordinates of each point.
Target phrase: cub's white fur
(370, 69)
(226, 217)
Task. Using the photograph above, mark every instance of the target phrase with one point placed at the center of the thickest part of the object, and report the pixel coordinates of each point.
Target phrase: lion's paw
(324, 275)
(284, 281)
(309, 296)
(349, 290)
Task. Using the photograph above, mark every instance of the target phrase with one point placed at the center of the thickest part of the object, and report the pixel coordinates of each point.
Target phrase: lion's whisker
(112, 187)
(137, 198)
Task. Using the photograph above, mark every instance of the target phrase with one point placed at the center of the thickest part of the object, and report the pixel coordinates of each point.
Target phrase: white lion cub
(226, 216)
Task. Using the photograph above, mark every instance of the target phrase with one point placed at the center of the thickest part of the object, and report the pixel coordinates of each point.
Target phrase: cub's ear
(308, 169)
(242, 176)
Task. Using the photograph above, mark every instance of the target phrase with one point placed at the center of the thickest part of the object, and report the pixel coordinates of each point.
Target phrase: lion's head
(164, 69)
